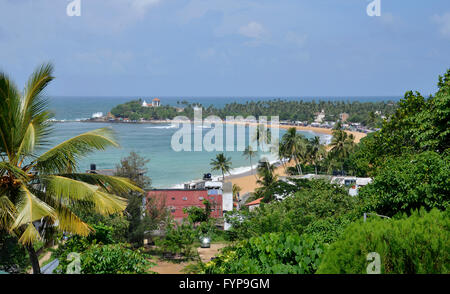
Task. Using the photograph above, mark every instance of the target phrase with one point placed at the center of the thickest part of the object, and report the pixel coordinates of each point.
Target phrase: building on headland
(156, 102)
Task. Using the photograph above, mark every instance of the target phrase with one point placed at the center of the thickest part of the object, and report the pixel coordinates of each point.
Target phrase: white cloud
(296, 39)
(444, 22)
(141, 6)
(253, 30)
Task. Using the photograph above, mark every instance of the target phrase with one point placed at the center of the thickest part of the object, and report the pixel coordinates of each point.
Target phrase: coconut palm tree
(293, 145)
(341, 146)
(41, 189)
(221, 163)
(266, 173)
(249, 154)
(236, 191)
(315, 152)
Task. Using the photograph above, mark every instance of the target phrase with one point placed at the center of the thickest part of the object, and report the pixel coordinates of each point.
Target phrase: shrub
(113, 259)
(273, 253)
(409, 182)
(311, 201)
(179, 240)
(418, 244)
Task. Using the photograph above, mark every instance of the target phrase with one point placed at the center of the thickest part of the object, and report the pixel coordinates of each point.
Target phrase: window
(184, 198)
(173, 198)
(200, 198)
(212, 197)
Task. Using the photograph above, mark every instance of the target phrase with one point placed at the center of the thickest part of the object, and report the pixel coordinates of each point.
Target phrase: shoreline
(247, 179)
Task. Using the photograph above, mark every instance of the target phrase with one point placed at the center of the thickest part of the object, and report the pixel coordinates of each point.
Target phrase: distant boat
(97, 115)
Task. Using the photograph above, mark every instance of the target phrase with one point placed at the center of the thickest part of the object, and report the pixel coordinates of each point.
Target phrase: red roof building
(178, 199)
(252, 205)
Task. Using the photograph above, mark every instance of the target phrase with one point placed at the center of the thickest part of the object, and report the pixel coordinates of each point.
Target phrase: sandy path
(164, 267)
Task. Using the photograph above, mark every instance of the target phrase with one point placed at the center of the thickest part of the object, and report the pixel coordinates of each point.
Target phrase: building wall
(177, 200)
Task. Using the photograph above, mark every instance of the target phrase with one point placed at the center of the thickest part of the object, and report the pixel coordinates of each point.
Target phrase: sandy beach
(247, 181)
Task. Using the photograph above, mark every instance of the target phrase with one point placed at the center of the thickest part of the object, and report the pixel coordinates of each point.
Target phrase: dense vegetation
(409, 162)
(417, 244)
(359, 112)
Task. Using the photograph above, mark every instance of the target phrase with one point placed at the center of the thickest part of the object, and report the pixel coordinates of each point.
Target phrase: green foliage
(13, 257)
(409, 182)
(180, 240)
(102, 235)
(133, 167)
(273, 253)
(413, 245)
(113, 259)
(313, 200)
(286, 110)
(197, 214)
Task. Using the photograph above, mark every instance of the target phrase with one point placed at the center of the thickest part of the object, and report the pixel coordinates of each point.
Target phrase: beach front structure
(254, 204)
(353, 183)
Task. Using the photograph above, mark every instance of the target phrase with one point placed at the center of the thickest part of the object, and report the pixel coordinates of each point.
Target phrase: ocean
(167, 168)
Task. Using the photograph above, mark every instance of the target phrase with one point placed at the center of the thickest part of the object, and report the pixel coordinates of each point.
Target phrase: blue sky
(228, 47)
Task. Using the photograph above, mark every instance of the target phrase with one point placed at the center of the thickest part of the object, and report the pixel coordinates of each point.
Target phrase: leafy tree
(197, 214)
(221, 163)
(39, 190)
(13, 257)
(410, 182)
(315, 152)
(114, 259)
(271, 253)
(294, 146)
(342, 145)
(134, 168)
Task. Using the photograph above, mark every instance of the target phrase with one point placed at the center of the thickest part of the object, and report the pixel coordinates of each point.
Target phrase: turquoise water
(167, 168)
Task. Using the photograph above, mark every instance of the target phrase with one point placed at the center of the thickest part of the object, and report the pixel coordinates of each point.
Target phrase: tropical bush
(273, 253)
(114, 259)
(409, 182)
(314, 201)
(417, 244)
(13, 257)
(180, 240)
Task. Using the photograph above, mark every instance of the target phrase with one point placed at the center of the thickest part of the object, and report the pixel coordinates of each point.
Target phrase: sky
(228, 47)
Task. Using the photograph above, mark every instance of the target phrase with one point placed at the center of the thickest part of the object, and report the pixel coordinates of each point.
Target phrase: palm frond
(113, 184)
(71, 191)
(30, 235)
(69, 222)
(6, 167)
(7, 213)
(30, 208)
(63, 157)
(9, 112)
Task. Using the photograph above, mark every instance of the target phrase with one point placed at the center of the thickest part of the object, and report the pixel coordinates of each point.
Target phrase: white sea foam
(163, 127)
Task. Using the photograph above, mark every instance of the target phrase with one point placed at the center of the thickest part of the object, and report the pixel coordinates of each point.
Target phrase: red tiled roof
(156, 99)
(256, 202)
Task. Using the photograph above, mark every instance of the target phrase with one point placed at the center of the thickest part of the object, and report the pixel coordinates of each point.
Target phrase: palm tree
(293, 145)
(341, 146)
(42, 190)
(266, 172)
(249, 154)
(236, 191)
(315, 152)
(221, 163)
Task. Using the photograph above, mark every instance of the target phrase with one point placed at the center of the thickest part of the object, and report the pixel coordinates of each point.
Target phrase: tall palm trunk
(315, 168)
(33, 259)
